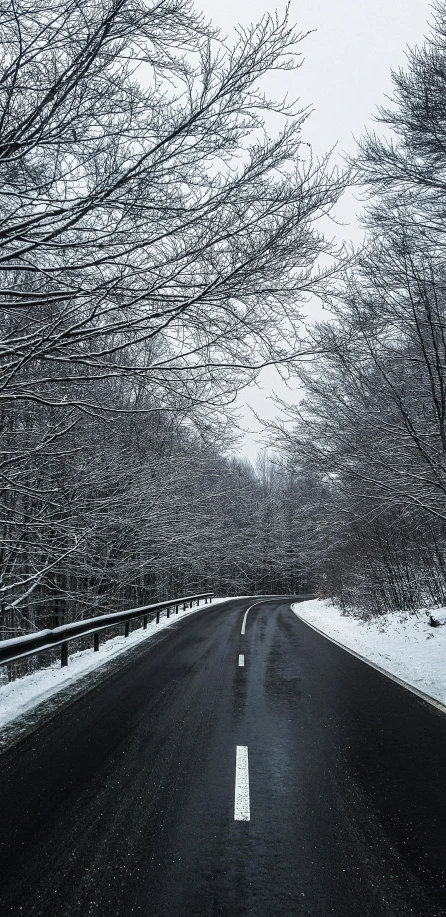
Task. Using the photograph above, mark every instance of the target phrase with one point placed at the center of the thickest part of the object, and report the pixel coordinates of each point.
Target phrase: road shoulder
(404, 648)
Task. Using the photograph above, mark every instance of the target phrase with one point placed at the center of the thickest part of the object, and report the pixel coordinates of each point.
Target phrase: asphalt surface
(123, 803)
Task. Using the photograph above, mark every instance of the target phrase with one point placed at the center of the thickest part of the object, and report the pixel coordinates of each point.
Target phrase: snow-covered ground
(21, 696)
(405, 645)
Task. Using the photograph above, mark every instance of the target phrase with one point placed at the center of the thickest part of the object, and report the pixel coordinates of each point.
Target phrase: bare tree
(372, 423)
(155, 244)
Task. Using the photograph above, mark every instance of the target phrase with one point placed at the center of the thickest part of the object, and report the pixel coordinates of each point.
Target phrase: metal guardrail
(20, 647)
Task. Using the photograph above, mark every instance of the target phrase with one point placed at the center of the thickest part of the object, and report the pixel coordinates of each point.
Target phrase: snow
(404, 644)
(23, 695)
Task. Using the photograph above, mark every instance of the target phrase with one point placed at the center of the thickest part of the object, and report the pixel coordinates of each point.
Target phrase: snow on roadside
(404, 644)
(22, 695)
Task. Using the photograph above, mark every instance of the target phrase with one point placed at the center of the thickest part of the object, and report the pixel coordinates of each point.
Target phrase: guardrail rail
(19, 647)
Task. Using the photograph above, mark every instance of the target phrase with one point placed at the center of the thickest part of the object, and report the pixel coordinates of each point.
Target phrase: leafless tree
(155, 245)
(372, 423)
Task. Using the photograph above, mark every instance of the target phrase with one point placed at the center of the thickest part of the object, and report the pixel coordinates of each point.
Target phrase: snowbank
(405, 645)
(21, 696)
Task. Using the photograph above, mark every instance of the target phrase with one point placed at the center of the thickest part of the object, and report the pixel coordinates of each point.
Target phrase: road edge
(427, 698)
(36, 717)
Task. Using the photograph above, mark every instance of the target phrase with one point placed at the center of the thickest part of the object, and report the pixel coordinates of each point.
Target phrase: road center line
(246, 615)
(241, 660)
(241, 802)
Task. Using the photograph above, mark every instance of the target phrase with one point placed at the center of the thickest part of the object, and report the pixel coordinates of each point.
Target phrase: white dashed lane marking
(241, 660)
(241, 802)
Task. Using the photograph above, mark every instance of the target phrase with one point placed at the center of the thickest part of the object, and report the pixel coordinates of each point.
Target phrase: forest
(160, 239)
(370, 429)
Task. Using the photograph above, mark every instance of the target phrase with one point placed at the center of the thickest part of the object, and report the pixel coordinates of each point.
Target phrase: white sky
(344, 77)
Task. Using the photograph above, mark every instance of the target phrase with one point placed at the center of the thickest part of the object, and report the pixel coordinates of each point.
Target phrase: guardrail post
(96, 641)
(176, 609)
(127, 628)
(158, 617)
(168, 611)
(64, 655)
(145, 623)
(184, 606)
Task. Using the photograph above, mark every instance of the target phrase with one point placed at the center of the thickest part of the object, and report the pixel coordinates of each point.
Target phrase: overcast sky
(344, 77)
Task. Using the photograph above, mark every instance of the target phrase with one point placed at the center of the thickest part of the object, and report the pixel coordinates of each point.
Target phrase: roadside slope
(402, 644)
(30, 695)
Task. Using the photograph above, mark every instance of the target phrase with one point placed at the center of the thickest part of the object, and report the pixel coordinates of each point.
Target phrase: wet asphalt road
(123, 804)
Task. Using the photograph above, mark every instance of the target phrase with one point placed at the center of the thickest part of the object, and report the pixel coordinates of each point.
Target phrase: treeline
(370, 433)
(147, 512)
(155, 245)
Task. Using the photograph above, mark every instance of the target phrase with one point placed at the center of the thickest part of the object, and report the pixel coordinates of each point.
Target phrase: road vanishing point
(237, 764)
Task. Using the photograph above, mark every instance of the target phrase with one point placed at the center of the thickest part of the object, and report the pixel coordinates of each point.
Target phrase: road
(124, 802)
